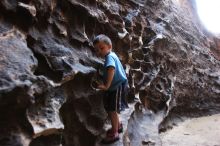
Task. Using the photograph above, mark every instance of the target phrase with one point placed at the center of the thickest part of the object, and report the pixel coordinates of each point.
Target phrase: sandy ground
(204, 131)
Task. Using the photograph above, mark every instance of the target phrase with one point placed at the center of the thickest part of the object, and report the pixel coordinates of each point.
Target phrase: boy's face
(102, 49)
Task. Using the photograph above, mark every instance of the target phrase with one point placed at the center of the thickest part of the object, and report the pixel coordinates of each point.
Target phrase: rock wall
(47, 64)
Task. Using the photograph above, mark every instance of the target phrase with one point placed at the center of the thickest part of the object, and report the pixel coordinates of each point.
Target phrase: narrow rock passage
(47, 62)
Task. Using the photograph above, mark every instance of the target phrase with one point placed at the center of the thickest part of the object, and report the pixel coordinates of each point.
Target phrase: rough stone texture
(47, 64)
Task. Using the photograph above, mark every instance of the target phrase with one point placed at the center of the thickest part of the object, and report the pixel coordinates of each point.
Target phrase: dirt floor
(204, 131)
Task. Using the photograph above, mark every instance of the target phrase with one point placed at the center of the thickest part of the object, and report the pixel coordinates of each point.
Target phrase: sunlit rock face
(47, 64)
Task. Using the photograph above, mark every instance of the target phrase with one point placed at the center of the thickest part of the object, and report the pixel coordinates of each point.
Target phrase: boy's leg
(111, 108)
(114, 121)
(110, 102)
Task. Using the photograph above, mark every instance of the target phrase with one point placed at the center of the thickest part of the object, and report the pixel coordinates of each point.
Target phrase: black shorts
(113, 99)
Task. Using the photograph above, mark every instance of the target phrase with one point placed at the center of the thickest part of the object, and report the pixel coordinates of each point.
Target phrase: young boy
(114, 82)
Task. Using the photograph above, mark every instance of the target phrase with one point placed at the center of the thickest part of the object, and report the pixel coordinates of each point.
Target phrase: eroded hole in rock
(159, 86)
(149, 35)
(146, 50)
(147, 68)
(138, 77)
(137, 54)
(52, 140)
(44, 69)
(135, 64)
(24, 18)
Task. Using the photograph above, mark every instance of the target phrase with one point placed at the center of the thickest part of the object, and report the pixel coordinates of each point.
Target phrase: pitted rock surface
(47, 65)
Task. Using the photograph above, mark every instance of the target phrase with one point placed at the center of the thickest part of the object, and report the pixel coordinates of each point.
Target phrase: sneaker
(111, 138)
(120, 129)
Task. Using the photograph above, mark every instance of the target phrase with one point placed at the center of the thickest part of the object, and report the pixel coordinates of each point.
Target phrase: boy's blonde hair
(102, 38)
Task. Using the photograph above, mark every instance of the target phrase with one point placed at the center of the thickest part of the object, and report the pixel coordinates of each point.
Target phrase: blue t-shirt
(112, 60)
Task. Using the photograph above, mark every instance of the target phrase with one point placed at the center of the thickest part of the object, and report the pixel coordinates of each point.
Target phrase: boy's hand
(102, 87)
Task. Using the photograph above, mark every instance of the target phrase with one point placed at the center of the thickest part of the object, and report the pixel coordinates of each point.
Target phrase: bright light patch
(209, 13)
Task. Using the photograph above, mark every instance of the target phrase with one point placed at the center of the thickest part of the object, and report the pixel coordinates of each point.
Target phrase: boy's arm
(110, 75)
